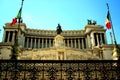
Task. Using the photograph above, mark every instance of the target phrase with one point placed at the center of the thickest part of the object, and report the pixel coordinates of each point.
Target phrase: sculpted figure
(94, 22)
(59, 30)
(89, 22)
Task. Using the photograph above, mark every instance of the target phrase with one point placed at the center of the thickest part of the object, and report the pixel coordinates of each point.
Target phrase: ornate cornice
(7, 25)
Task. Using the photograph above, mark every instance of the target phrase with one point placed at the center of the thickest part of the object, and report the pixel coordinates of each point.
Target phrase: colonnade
(99, 38)
(45, 42)
(32, 42)
(9, 36)
(75, 43)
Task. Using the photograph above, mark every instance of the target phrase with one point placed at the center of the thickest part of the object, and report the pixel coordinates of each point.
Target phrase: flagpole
(111, 38)
(22, 3)
(19, 20)
(116, 53)
(112, 26)
(20, 17)
(20, 13)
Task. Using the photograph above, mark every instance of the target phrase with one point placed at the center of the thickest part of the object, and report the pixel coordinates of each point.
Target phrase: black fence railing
(59, 70)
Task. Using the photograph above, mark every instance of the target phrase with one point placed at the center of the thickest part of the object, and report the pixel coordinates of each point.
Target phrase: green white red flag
(108, 21)
(17, 17)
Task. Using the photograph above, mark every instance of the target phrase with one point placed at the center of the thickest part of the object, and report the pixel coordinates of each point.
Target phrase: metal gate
(59, 70)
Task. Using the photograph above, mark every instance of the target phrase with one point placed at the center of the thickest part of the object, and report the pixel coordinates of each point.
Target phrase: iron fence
(59, 70)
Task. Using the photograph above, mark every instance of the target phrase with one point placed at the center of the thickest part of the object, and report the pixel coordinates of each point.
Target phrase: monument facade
(89, 43)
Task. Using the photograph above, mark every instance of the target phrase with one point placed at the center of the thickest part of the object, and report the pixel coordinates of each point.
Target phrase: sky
(70, 14)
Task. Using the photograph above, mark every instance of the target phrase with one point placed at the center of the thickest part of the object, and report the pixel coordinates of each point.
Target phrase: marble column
(27, 41)
(46, 43)
(67, 42)
(93, 39)
(31, 42)
(101, 40)
(42, 42)
(88, 41)
(8, 39)
(82, 43)
(38, 42)
(79, 43)
(75, 42)
(35, 43)
(105, 39)
(13, 37)
(4, 36)
(97, 40)
(23, 41)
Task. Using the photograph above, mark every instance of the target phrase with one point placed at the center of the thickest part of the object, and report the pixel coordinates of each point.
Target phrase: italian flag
(108, 24)
(17, 17)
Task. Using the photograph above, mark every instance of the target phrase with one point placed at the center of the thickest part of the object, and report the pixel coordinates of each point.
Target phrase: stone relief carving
(59, 41)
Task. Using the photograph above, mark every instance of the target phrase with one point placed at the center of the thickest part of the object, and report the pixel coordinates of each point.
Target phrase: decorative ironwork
(59, 70)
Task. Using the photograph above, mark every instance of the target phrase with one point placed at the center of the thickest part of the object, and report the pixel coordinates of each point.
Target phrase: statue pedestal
(59, 41)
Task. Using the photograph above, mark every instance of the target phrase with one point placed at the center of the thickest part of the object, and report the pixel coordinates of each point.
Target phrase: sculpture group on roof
(91, 23)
